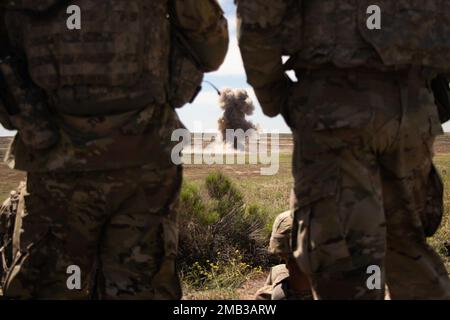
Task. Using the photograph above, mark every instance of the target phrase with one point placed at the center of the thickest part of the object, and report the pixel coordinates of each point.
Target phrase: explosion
(236, 104)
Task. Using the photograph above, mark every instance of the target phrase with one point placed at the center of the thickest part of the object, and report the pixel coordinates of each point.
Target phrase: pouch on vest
(4, 116)
(25, 106)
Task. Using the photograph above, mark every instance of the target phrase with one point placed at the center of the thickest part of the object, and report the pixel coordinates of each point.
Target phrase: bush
(223, 275)
(215, 223)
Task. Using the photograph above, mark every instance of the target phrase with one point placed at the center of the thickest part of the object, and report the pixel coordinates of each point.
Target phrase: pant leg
(340, 223)
(61, 229)
(414, 269)
(140, 240)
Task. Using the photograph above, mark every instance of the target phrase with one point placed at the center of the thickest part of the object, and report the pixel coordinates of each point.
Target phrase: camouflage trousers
(118, 228)
(365, 183)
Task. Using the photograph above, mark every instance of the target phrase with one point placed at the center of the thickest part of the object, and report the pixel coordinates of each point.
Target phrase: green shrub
(215, 222)
(192, 205)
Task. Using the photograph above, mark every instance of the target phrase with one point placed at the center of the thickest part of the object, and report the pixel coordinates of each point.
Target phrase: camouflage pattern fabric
(401, 42)
(363, 172)
(364, 128)
(108, 83)
(200, 37)
(119, 227)
(28, 112)
(259, 27)
(280, 239)
(204, 25)
(334, 32)
(97, 143)
(128, 41)
(185, 76)
(4, 117)
(105, 196)
(276, 286)
(43, 5)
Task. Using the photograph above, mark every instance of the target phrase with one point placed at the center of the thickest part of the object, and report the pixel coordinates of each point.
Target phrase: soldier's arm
(259, 23)
(203, 23)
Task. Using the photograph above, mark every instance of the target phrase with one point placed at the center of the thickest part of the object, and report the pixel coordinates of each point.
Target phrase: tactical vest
(120, 53)
(413, 32)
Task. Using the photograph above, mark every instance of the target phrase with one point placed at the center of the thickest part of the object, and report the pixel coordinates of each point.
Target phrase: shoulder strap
(179, 39)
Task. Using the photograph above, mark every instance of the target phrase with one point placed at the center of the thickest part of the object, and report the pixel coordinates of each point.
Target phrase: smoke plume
(236, 105)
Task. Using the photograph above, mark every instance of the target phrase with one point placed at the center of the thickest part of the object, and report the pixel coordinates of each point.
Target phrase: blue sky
(204, 112)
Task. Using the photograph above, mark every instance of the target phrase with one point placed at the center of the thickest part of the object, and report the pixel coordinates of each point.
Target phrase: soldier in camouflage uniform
(105, 196)
(285, 281)
(364, 122)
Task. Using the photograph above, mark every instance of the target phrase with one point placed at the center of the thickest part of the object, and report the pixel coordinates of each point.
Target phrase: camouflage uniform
(276, 286)
(104, 197)
(364, 122)
(285, 281)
